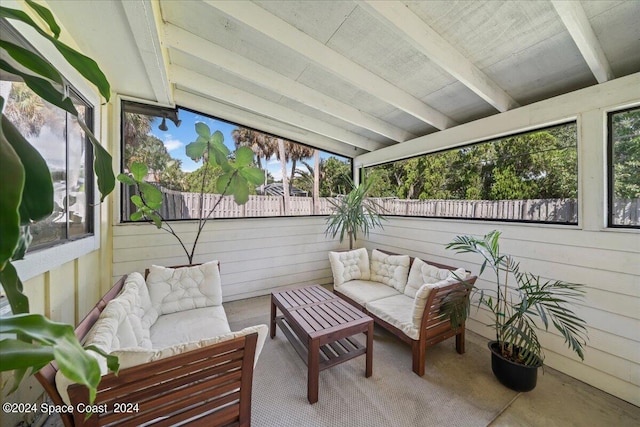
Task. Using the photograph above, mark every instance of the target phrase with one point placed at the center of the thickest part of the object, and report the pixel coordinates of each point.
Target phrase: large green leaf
(18, 354)
(37, 195)
(11, 185)
(83, 64)
(72, 359)
(152, 196)
(139, 171)
(43, 88)
(47, 16)
(24, 241)
(195, 150)
(254, 175)
(244, 156)
(12, 286)
(126, 179)
(32, 61)
(102, 164)
(240, 189)
(203, 130)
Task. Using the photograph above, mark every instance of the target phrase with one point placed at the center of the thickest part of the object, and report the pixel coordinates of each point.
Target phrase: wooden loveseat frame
(209, 386)
(435, 325)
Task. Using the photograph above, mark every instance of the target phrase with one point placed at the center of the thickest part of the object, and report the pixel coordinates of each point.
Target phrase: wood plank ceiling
(353, 77)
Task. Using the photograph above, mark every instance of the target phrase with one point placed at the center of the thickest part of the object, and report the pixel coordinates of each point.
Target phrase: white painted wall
(257, 256)
(606, 261)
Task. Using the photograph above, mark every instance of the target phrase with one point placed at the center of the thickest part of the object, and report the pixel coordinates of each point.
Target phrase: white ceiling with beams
(353, 77)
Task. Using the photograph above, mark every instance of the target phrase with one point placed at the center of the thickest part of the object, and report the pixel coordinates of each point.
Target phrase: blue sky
(175, 139)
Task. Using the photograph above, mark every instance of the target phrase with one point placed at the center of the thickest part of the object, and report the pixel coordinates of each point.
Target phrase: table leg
(313, 370)
(272, 324)
(369, 333)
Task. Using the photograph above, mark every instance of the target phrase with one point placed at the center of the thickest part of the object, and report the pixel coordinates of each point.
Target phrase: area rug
(456, 390)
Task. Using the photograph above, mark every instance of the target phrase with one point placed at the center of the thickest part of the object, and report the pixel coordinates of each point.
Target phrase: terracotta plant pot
(513, 375)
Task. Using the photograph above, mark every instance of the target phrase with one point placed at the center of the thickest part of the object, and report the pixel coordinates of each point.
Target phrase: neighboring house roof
(275, 189)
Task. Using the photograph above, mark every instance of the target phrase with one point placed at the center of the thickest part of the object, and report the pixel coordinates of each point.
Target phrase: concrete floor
(558, 400)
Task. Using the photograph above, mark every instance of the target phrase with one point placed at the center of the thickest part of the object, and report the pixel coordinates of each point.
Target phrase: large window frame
(611, 178)
(575, 209)
(43, 258)
(141, 107)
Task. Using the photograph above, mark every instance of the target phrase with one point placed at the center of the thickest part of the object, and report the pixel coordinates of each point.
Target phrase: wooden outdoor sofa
(403, 295)
(208, 382)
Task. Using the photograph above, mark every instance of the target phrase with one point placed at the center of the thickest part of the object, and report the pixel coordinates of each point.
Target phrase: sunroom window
(297, 183)
(67, 151)
(526, 177)
(624, 168)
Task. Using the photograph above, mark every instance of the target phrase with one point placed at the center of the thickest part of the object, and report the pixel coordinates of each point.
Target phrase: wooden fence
(179, 205)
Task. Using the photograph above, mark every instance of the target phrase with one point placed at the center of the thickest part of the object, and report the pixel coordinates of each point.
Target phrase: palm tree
(260, 143)
(296, 152)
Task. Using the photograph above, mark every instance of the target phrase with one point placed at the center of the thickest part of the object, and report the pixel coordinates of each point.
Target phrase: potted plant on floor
(354, 212)
(517, 307)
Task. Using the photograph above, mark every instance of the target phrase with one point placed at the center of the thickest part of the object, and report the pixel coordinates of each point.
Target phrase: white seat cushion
(397, 311)
(137, 356)
(187, 326)
(392, 270)
(184, 288)
(364, 291)
(349, 265)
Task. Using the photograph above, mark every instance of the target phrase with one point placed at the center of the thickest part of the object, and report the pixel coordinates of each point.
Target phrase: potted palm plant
(354, 212)
(519, 301)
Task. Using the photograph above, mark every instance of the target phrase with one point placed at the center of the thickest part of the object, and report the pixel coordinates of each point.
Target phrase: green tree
(336, 177)
(626, 154)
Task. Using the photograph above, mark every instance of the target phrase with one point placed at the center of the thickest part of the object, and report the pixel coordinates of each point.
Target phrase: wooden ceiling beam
(234, 96)
(217, 56)
(248, 119)
(143, 24)
(282, 32)
(414, 30)
(575, 19)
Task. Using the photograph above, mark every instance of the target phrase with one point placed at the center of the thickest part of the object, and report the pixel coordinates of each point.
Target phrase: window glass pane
(59, 139)
(78, 178)
(625, 163)
(526, 177)
(296, 182)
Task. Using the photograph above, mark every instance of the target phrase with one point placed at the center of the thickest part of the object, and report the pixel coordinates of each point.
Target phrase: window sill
(41, 261)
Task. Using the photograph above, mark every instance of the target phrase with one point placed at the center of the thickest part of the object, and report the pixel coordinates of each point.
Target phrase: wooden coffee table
(321, 327)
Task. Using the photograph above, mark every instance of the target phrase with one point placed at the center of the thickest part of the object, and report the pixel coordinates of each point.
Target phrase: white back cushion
(184, 288)
(392, 270)
(349, 265)
(422, 272)
(149, 313)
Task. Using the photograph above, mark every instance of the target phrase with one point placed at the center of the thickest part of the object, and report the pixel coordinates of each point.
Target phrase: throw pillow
(349, 265)
(392, 270)
(184, 288)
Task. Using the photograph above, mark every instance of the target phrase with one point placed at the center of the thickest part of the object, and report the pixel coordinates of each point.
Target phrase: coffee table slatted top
(318, 312)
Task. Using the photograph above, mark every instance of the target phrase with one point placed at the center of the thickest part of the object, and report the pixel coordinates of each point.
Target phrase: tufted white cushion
(422, 273)
(149, 313)
(350, 265)
(392, 270)
(420, 300)
(184, 288)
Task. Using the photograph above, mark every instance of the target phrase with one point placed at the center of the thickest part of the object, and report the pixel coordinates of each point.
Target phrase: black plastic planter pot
(513, 375)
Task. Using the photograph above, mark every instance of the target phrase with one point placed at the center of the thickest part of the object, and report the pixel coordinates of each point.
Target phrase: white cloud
(172, 144)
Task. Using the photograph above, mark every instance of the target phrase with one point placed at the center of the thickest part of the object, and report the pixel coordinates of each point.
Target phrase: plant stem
(202, 222)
